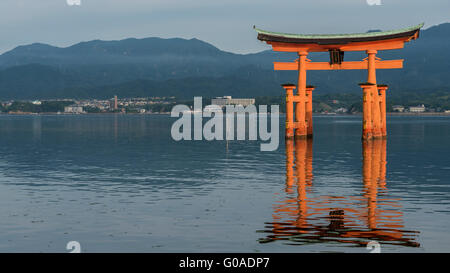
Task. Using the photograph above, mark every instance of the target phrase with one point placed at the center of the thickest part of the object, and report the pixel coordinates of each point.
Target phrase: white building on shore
(417, 109)
(227, 100)
(74, 109)
(398, 108)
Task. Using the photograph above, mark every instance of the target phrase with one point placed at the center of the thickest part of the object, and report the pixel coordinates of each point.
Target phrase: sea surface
(119, 183)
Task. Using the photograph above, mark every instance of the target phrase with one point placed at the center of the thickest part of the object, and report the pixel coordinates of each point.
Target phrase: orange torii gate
(374, 95)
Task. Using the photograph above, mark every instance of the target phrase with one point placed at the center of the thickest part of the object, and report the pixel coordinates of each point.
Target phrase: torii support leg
(372, 79)
(300, 109)
(382, 91)
(376, 113)
(289, 110)
(367, 133)
(309, 111)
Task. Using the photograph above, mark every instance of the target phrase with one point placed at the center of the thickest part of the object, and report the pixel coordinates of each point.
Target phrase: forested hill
(184, 68)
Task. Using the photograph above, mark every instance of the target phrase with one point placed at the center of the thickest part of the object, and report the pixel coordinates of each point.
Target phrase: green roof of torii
(378, 35)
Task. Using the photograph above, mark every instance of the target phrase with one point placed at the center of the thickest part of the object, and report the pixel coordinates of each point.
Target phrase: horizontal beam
(359, 46)
(390, 64)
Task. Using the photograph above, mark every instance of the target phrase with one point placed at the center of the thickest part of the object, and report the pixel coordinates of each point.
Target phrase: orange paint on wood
(309, 111)
(382, 92)
(301, 93)
(289, 110)
(371, 67)
(376, 113)
(397, 43)
(367, 111)
(388, 64)
(374, 105)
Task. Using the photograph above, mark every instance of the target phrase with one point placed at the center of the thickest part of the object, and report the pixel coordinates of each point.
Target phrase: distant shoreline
(75, 114)
(143, 114)
(418, 114)
(390, 114)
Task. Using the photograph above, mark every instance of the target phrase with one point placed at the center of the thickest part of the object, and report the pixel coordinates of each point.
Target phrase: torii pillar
(375, 99)
(302, 120)
(382, 95)
(374, 102)
(309, 111)
(300, 109)
(289, 110)
(367, 132)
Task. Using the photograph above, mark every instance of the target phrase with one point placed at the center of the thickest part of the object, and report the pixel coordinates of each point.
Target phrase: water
(119, 183)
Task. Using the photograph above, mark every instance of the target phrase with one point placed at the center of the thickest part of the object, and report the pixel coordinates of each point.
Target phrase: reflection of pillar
(376, 167)
(301, 153)
(367, 111)
(300, 117)
(383, 163)
(374, 176)
(289, 165)
(289, 110)
(309, 162)
(370, 182)
(309, 111)
(367, 163)
(382, 91)
(300, 219)
(291, 211)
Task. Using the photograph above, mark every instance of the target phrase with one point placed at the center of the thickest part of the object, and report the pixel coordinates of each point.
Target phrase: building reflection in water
(301, 218)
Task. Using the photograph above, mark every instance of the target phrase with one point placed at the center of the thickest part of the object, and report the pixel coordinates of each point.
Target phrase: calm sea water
(119, 183)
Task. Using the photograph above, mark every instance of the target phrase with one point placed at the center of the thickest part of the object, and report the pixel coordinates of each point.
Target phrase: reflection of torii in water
(337, 219)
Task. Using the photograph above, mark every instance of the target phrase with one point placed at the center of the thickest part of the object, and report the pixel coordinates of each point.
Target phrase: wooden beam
(389, 64)
(397, 43)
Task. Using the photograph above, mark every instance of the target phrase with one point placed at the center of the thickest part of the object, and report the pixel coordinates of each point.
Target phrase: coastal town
(84, 106)
(163, 105)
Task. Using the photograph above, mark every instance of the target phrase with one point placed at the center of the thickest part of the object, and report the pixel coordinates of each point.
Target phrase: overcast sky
(226, 24)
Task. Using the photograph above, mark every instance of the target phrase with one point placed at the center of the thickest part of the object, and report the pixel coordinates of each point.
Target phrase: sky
(227, 24)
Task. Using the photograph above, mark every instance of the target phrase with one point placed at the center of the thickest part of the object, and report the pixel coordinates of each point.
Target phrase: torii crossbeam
(374, 95)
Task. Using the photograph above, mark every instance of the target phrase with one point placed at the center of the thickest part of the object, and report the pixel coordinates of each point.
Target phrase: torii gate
(374, 95)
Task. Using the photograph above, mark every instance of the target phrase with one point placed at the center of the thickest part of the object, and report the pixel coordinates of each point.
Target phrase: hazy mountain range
(184, 68)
